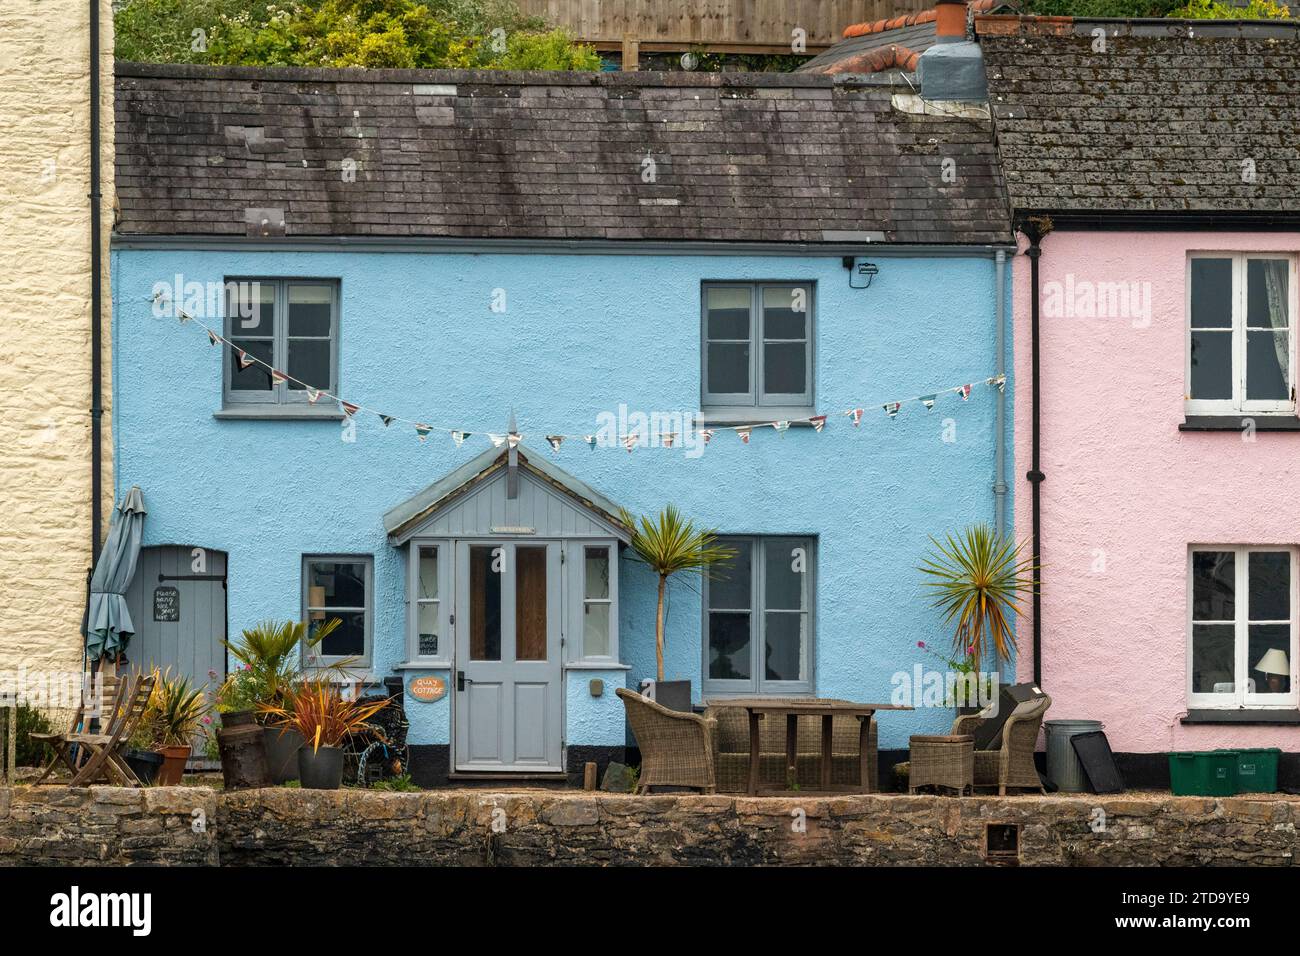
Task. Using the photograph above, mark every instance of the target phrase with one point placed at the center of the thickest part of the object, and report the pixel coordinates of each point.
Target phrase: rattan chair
(1009, 759)
(676, 748)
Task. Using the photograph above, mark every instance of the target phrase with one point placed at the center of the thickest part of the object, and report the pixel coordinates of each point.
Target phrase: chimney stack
(952, 69)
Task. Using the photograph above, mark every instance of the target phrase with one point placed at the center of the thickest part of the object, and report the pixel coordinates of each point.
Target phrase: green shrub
(32, 753)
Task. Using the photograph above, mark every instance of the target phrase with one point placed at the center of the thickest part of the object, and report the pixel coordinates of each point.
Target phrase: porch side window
(1241, 322)
(594, 591)
(758, 628)
(428, 585)
(291, 325)
(757, 347)
(1242, 645)
(340, 586)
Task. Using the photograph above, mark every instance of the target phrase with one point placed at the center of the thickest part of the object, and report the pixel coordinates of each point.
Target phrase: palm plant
(978, 579)
(318, 711)
(269, 655)
(178, 709)
(668, 545)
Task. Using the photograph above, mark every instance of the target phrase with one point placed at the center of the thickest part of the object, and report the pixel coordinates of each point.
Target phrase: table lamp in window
(1275, 664)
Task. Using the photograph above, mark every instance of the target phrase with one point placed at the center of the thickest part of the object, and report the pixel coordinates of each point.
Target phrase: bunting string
(630, 441)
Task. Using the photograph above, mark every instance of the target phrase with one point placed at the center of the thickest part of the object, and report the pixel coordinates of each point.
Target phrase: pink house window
(1241, 311)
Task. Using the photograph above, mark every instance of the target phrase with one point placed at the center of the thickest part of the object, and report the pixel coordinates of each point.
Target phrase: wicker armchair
(1009, 761)
(676, 748)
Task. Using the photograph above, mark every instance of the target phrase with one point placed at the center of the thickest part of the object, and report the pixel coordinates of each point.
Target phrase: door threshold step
(508, 777)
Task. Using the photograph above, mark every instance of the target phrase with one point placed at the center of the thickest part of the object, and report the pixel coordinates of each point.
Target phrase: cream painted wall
(45, 472)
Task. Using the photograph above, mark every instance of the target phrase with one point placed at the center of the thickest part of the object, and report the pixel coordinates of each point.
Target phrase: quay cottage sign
(427, 689)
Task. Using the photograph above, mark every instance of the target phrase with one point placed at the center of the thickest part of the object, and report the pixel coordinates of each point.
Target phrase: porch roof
(403, 521)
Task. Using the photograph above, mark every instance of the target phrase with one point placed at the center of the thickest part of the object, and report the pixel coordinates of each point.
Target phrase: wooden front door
(508, 679)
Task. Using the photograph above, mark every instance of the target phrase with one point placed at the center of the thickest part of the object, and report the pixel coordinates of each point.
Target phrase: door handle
(462, 680)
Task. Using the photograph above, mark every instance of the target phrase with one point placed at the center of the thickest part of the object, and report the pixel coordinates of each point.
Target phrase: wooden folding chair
(64, 752)
(105, 750)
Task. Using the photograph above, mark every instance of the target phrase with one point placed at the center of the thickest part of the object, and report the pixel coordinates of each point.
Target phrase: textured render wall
(580, 335)
(45, 327)
(1125, 485)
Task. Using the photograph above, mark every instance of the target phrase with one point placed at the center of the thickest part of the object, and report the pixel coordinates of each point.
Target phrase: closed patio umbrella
(108, 622)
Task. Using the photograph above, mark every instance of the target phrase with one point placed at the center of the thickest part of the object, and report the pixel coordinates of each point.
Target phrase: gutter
(96, 305)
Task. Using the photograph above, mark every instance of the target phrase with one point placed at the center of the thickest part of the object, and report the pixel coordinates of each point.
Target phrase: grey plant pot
(282, 754)
(321, 769)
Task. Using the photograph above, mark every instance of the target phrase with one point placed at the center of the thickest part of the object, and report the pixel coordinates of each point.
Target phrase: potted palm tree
(178, 712)
(317, 710)
(669, 544)
(977, 578)
(268, 660)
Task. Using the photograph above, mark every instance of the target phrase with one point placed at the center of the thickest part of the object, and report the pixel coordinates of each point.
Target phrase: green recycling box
(1207, 774)
(1257, 770)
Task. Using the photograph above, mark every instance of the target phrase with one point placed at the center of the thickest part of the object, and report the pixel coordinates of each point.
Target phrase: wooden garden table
(760, 708)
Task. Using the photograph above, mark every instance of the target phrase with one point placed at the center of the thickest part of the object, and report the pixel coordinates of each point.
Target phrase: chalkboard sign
(166, 604)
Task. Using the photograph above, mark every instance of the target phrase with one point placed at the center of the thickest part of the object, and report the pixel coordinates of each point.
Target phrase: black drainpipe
(96, 322)
(1034, 230)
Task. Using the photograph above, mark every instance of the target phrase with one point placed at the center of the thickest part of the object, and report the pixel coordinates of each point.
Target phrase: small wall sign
(166, 604)
(427, 689)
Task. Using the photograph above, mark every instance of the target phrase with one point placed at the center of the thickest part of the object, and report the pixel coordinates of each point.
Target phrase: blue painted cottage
(397, 347)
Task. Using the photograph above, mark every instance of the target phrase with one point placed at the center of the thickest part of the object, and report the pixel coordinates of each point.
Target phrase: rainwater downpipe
(1035, 474)
(1000, 429)
(96, 320)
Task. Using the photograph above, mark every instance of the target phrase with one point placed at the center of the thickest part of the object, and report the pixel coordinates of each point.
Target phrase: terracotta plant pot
(321, 769)
(282, 746)
(173, 767)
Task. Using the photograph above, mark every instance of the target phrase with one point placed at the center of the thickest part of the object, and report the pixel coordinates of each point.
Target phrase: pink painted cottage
(1153, 171)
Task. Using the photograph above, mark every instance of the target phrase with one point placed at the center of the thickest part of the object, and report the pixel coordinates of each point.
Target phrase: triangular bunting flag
(668, 439)
(513, 439)
(928, 401)
(459, 438)
(313, 394)
(781, 426)
(630, 442)
(423, 431)
(244, 360)
(744, 434)
(964, 392)
(818, 422)
(386, 419)
(856, 415)
(278, 376)
(349, 409)
(590, 440)
(891, 408)
(706, 434)
(1001, 382)
(183, 316)
(212, 337)
(555, 442)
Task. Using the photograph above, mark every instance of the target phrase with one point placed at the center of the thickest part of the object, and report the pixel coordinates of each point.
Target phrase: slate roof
(1159, 124)
(235, 151)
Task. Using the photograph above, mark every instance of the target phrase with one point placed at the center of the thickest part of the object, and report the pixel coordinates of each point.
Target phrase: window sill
(597, 666)
(749, 415)
(1263, 422)
(279, 413)
(1255, 715)
(423, 666)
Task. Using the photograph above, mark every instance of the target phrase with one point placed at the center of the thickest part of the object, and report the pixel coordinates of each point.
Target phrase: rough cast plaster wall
(1124, 485)
(581, 334)
(45, 323)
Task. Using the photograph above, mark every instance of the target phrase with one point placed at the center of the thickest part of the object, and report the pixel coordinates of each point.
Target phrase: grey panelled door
(178, 605)
(507, 624)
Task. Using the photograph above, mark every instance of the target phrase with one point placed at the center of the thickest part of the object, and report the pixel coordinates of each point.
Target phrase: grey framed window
(759, 631)
(341, 586)
(429, 587)
(757, 346)
(292, 325)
